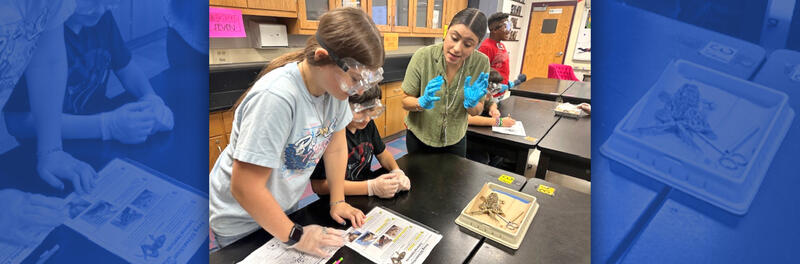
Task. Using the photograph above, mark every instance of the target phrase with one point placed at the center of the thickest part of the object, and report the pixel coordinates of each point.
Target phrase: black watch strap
(295, 234)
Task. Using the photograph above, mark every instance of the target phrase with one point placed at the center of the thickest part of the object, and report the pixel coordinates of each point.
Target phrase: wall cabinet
(282, 8)
(410, 18)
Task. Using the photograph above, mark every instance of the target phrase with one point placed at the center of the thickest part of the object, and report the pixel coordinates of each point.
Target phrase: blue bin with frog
(704, 132)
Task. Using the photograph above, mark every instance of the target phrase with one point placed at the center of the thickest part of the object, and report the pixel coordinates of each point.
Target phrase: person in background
(293, 115)
(33, 45)
(363, 142)
(95, 49)
(494, 117)
(436, 126)
(499, 30)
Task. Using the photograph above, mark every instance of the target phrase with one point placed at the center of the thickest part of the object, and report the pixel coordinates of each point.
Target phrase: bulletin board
(583, 46)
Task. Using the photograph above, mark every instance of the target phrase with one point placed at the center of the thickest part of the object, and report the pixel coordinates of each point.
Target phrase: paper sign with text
(225, 23)
(390, 41)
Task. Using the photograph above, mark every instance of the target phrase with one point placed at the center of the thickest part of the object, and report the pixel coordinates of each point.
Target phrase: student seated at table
(95, 50)
(491, 115)
(363, 142)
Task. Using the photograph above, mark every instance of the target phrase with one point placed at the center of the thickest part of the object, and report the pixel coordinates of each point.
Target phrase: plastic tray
(739, 108)
(500, 235)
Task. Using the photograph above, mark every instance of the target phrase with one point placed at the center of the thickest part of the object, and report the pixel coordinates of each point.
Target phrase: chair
(561, 72)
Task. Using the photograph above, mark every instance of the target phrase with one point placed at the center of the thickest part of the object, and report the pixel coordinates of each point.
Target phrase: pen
(339, 261)
(47, 254)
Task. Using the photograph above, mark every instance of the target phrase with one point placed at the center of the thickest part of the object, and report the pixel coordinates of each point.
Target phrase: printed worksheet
(390, 238)
(517, 129)
(139, 216)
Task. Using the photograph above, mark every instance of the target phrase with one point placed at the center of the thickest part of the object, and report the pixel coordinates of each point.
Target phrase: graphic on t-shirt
(88, 73)
(305, 153)
(358, 159)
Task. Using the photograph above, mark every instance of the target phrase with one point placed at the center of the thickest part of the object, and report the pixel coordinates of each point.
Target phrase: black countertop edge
(226, 107)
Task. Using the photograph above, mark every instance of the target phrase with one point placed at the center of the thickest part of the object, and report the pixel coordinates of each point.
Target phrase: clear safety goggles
(495, 88)
(506, 25)
(372, 109)
(362, 78)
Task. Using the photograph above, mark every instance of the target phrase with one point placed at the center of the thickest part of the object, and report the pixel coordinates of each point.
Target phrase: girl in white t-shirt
(293, 115)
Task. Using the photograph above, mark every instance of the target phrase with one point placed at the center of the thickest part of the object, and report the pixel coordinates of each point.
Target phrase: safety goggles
(361, 77)
(372, 109)
(495, 88)
(506, 25)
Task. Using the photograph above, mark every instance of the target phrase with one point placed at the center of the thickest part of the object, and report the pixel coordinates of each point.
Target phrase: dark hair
(495, 77)
(496, 17)
(347, 32)
(371, 94)
(474, 19)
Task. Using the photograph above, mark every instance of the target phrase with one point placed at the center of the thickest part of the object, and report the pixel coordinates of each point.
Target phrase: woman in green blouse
(439, 87)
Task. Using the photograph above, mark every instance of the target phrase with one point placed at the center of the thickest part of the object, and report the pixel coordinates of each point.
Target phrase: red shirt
(498, 56)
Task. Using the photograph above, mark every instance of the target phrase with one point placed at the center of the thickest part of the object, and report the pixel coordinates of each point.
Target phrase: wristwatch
(295, 234)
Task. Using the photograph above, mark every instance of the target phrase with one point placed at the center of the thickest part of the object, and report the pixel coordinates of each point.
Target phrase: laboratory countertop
(441, 186)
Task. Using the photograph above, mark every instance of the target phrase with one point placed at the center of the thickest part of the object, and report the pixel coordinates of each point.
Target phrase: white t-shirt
(278, 125)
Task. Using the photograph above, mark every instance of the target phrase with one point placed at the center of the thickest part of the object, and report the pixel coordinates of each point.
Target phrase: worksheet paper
(386, 236)
(139, 216)
(517, 129)
(275, 251)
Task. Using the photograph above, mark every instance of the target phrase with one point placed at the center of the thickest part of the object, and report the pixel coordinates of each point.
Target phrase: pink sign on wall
(225, 23)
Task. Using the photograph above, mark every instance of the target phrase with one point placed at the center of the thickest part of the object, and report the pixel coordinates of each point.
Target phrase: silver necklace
(454, 95)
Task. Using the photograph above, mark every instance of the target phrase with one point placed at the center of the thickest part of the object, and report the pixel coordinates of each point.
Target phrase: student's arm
(134, 80)
(247, 186)
(387, 161)
(47, 79)
(476, 110)
(350, 187)
(480, 121)
(335, 158)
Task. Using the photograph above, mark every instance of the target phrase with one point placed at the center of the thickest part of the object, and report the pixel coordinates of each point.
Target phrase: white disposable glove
(26, 216)
(315, 238)
(162, 114)
(385, 186)
(130, 123)
(405, 182)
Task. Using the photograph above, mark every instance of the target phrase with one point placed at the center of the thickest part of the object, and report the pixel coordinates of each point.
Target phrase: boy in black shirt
(363, 142)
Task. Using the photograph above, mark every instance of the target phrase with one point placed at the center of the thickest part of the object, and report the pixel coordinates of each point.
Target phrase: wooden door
(548, 33)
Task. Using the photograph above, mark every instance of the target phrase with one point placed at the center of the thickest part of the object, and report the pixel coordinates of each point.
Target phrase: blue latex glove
(474, 93)
(164, 120)
(130, 123)
(28, 218)
(434, 85)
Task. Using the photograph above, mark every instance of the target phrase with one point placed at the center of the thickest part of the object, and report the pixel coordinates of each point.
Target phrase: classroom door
(548, 33)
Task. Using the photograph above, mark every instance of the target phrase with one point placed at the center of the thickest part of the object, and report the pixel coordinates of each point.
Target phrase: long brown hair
(346, 32)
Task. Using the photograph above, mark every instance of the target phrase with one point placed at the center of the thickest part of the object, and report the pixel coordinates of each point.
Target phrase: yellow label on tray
(546, 190)
(505, 178)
